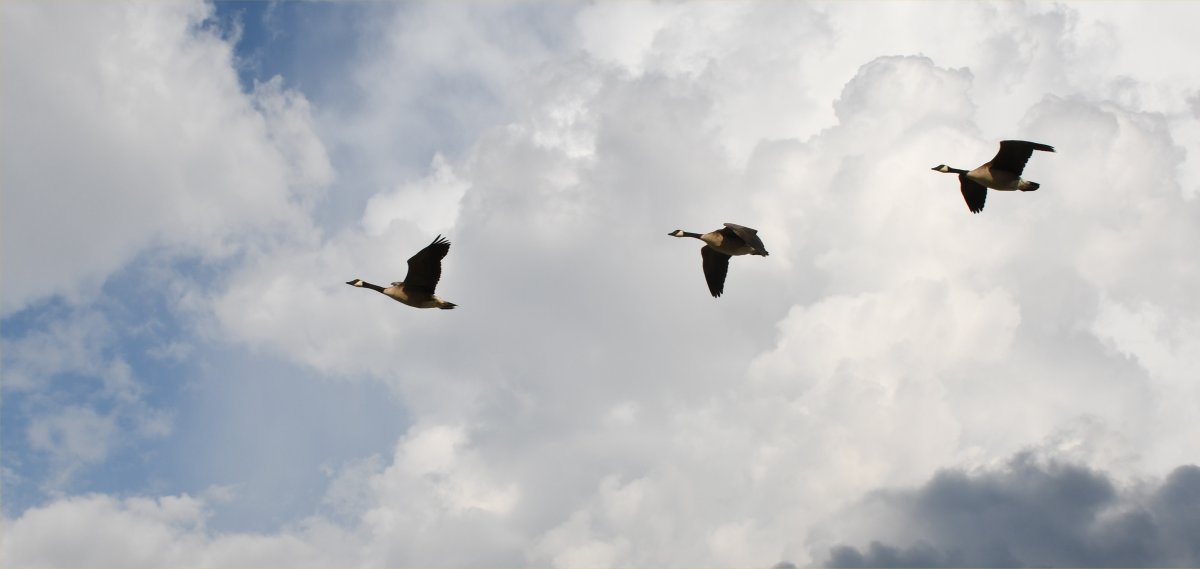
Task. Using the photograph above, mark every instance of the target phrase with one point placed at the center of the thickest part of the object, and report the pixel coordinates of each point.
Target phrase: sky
(185, 187)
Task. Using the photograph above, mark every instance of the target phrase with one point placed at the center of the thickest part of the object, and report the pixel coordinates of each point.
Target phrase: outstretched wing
(1014, 154)
(715, 266)
(425, 268)
(748, 236)
(975, 194)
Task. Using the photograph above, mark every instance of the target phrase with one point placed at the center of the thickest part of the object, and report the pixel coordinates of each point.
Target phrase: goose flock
(1002, 173)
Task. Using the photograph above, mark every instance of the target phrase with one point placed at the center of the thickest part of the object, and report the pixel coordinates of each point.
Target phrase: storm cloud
(1031, 512)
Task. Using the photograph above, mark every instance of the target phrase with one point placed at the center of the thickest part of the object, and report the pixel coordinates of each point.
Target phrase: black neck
(690, 234)
(957, 171)
(372, 286)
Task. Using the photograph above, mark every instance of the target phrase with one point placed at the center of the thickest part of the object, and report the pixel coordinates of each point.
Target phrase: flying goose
(1002, 173)
(424, 272)
(721, 244)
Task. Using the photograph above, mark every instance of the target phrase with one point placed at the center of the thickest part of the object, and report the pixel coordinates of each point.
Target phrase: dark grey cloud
(877, 554)
(1032, 512)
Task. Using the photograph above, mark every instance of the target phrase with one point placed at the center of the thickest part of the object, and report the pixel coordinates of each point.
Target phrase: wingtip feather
(1033, 145)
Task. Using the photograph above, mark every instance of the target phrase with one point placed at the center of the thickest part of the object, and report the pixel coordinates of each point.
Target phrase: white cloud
(76, 354)
(126, 134)
(170, 530)
(923, 335)
(74, 346)
(126, 129)
(428, 79)
(589, 404)
(435, 488)
(73, 435)
(430, 204)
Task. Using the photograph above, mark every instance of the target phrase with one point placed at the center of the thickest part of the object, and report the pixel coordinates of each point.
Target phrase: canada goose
(424, 272)
(1002, 173)
(721, 244)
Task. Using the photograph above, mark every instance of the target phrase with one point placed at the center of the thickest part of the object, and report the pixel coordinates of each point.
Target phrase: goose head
(942, 168)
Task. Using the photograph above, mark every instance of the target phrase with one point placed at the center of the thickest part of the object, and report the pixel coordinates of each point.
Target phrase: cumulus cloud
(125, 130)
(127, 138)
(104, 531)
(913, 319)
(430, 204)
(1030, 512)
(426, 79)
(590, 404)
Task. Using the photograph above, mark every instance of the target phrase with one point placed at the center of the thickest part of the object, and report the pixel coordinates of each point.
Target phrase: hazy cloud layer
(589, 404)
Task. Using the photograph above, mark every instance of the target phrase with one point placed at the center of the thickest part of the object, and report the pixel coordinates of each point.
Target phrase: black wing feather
(748, 236)
(425, 268)
(716, 265)
(975, 194)
(1014, 154)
